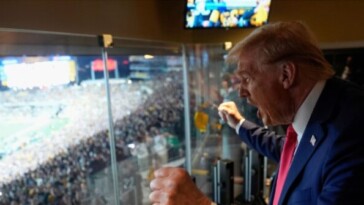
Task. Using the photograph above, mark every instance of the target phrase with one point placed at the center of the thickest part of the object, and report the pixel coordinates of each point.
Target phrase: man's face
(261, 85)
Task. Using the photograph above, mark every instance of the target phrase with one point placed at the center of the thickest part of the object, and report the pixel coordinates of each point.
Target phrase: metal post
(246, 176)
(186, 112)
(265, 175)
(116, 71)
(250, 175)
(218, 182)
(223, 182)
(92, 73)
(215, 184)
(111, 124)
(77, 77)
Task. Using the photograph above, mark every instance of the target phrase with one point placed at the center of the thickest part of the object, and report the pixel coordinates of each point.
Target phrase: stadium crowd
(58, 169)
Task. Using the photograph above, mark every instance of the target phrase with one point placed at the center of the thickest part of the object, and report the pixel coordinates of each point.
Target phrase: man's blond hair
(285, 41)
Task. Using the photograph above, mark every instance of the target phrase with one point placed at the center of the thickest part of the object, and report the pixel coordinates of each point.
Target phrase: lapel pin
(313, 140)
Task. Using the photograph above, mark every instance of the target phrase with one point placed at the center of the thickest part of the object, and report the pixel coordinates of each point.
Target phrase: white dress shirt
(304, 113)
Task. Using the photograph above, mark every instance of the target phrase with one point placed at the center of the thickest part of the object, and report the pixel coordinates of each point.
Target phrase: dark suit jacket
(328, 167)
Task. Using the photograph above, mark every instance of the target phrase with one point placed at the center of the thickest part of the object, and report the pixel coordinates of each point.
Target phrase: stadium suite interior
(337, 24)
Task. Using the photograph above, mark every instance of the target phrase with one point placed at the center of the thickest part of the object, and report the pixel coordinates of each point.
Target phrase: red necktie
(285, 162)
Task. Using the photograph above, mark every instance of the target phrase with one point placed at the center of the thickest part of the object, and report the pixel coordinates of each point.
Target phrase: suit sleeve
(265, 142)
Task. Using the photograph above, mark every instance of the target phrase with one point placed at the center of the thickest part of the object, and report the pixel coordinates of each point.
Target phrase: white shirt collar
(305, 111)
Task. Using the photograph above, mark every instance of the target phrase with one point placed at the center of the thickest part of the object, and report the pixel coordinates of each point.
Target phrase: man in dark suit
(284, 74)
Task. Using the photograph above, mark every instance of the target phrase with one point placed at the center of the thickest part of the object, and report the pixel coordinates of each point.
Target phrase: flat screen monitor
(226, 13)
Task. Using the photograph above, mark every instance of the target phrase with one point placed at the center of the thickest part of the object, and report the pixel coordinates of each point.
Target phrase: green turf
(9, 128)
(30, 130)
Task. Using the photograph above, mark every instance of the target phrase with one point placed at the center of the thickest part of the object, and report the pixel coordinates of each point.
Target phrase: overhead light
(228, 45)
(147, 56)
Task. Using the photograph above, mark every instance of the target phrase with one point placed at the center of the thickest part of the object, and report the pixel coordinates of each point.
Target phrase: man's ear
(288, 74)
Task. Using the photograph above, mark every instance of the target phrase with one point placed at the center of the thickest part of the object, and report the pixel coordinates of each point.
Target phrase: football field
(16, 133)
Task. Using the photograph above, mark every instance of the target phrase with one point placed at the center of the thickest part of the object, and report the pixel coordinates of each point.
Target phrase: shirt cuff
(239, 125)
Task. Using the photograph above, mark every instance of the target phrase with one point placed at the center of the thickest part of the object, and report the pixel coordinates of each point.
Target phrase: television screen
(226, 13)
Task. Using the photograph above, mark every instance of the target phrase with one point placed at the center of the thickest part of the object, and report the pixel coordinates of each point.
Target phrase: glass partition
(49, 117)
(85, 123)
(211, 82)
(148, 114)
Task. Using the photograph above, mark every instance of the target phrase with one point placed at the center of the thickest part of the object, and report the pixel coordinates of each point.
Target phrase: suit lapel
(314, 133)
(310, 141)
